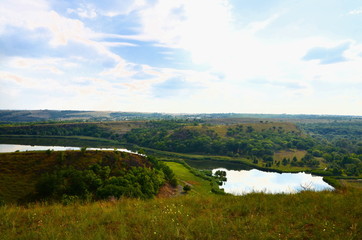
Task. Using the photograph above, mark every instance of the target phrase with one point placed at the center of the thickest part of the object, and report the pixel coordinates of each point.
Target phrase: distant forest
(332, 146)
(11, 116)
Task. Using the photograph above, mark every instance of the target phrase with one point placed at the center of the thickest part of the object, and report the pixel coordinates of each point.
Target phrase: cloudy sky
(263, 56)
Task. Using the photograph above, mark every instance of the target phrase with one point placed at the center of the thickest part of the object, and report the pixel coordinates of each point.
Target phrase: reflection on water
(247, 181)
(22, 148)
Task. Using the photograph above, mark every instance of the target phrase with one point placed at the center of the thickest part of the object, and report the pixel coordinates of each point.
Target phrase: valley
(104, 192)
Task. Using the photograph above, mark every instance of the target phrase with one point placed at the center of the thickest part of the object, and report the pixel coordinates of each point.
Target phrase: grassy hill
(307, 215)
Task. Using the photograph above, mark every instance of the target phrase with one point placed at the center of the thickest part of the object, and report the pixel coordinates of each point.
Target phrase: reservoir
(22, 148)
(240, 182)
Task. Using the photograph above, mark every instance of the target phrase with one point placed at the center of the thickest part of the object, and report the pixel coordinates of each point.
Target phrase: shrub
(187, 188)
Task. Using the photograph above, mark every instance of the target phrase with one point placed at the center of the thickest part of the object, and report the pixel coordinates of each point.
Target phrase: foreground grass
(307, 215)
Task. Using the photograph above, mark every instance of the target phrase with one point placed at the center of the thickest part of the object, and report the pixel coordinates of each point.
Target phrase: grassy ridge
(307, 215)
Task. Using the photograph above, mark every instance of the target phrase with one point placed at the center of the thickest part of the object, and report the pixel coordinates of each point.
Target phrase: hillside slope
(84, 174)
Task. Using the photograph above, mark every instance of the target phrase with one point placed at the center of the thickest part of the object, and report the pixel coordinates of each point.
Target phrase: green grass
(307, 215)
(183, 175)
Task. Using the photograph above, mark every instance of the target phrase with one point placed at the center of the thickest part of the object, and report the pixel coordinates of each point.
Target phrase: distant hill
(13, 116)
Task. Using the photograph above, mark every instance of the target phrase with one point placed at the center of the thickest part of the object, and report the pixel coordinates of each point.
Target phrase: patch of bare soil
(167, 191)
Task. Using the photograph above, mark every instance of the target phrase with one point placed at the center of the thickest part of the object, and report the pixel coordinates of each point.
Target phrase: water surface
(16, 147)
(240, 182)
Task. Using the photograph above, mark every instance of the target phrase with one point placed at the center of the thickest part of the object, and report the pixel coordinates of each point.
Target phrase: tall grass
(307, 215)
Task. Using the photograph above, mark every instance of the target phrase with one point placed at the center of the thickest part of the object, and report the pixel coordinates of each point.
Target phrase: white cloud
(7, 76)
(255, 27)
(118, 44)
(121, 70)
(47, 64)
(62, 29)
(181, 23)
(355, 11)
(116, 8)
(30, 83)
(243, 55)
(85, 11)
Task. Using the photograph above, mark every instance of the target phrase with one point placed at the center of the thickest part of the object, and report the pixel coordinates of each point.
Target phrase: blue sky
(182, 56)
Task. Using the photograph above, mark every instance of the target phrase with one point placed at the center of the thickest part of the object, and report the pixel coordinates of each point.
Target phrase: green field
(199, 186)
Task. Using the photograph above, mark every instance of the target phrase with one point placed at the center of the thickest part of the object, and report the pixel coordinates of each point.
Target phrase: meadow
(307, 215)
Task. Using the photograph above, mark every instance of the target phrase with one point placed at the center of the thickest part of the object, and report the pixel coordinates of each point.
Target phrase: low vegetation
(307, 215)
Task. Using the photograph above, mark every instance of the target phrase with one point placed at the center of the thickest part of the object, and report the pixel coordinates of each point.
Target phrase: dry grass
(278, 156)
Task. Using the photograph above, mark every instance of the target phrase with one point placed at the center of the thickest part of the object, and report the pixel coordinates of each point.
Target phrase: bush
(2, 201)
(187, 188)
(67, 200)
(110, 191)
(174, 182)
(47, 185)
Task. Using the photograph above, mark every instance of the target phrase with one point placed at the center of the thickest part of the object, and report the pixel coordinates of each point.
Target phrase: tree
(83, 149)
(187, 188)
(249, 129)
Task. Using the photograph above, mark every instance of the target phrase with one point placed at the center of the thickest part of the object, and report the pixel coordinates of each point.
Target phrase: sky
(182, 56)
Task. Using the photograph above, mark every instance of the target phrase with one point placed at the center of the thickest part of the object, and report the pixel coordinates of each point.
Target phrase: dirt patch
(167, 191)
(192, 182)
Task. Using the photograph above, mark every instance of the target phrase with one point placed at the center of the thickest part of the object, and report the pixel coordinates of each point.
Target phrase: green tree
(187, 188)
